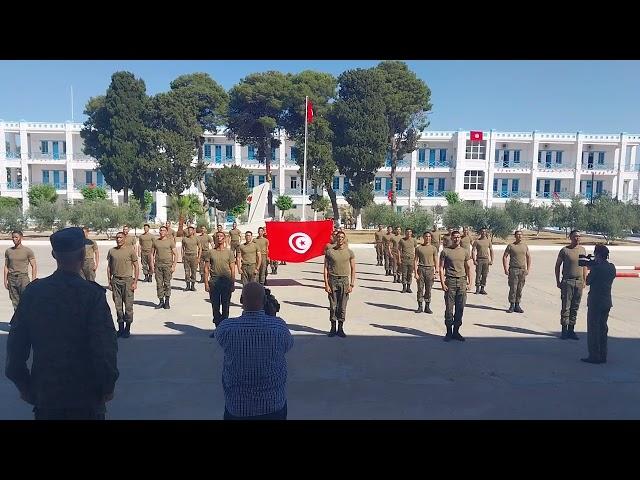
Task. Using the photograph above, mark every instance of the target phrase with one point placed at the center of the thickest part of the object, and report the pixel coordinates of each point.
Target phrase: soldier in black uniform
(67, 322)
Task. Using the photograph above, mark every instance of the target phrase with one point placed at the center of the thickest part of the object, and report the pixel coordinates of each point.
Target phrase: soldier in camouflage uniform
(91, 258)
(164, 258)
(386, 247)
(190, 258)
(67, 322)
(249, 259)
(263, 246)
(425, 262)
(220, 276)
(395, 259)
(572, 284)
(519, 268)
(146, 245)
(407, 254)
(16, 262)
(379, 242)
(454, 278)
(206, 242)
(122, 274)
(339, 280)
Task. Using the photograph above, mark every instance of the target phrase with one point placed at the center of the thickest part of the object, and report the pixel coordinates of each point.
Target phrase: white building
(533, 166)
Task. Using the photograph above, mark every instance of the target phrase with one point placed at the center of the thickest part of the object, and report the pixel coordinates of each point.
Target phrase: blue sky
(558, 95)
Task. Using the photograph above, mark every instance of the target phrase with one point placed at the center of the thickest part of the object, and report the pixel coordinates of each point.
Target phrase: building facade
(531, 166)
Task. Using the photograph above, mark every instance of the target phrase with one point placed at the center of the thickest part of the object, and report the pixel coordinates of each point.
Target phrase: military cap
(69, 240)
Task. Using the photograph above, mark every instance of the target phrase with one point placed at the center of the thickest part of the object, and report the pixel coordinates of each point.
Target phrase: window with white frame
(476, 150)
(474, 180)
(294, 183)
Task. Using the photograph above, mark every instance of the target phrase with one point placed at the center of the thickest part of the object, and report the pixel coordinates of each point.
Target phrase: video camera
(271, 305)
(586, 260)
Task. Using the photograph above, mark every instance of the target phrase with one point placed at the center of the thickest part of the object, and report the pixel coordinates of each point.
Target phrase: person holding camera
(254, 372)
(572, 284)
(600, 278)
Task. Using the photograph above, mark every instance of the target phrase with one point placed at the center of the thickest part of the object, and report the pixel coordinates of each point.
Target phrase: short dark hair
(573, 231)
(454, 232)
(601, 250)
(120, 233)
(427, 233)
(248, 231)
(85, 228)
(126, 225)
(260, 228)
(18, 232)
(516, 231)
(163, 227)
(146, 225)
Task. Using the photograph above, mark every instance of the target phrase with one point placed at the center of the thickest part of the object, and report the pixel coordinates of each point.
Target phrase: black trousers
(220, 296)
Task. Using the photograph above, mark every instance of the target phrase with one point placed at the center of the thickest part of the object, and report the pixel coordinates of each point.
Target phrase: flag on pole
(309, 111)
(298, 241)
(476, 136)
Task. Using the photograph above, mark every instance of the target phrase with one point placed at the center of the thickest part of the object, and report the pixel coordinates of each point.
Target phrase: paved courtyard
(392, 365)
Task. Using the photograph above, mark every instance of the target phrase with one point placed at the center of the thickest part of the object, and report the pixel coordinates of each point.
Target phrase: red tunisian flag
(298, 241)
(476, 136)
(309, 111)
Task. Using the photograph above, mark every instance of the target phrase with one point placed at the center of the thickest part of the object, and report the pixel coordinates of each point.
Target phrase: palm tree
(179, 208)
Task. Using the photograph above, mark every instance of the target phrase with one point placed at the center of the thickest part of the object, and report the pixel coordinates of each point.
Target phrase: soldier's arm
(206, 276)
(504, 260)
(136, 270)
(467, 270)
(490, 253)
(174, 258)
(557, 267)
(441, 270)
(152, 257)
(415, 265)
(6, 271)
(435, 259)
(585, 273)
(108, 271)
(103, 346)
(259, 257)
(34, 268)
(325, 274)
(528, 262)
(96, 256)
(18, 350)
(352, 283)
(239, 260)
(474, 253)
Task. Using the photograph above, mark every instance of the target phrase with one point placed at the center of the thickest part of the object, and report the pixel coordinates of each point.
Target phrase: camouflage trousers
(338, 298)
(387, 260)
(597, 332)
(145, 256)
(163, 280)
(190, 262)
(17, 283)
(262, 271)
(379, 253)
(88, 270)
(274, 266)
(455, 299)
(425, 283)
(123, 295)
(204, 256)
(517, 277)
(482, 270)
(571, 295)
(248, 273)
(395, 265)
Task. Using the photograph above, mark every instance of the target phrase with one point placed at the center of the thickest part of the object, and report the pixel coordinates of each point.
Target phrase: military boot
(419, 310)
(332, 332)
(340, 331)
(517, 309)
(166, 303)
(571, 334)
(427, 309)
(127, 330)
(511, 307)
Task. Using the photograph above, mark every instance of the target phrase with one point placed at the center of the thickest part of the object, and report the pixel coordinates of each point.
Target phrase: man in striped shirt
(254, 372)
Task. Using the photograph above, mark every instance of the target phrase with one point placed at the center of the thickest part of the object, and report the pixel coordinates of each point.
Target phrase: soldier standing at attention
(572, 284)
(466, 240)
(379, 240)
(190, 258)
(482, 254)
(170, 231)
(395, 264)
(386, 241)
(446, 238)
(519, 268)
(407, 254)
(219, 276)
(455, 278)
(122, 275)
(234, 237)
(424, 264)
(221, 230)
(91, 258)
(339, 280)
(600, 279)
(164, 264)
(16, 262)
(129, 240)
(146, 244)
(263, 245)
(249, 259)
(436, 240)
(205, 245)
(67, 322)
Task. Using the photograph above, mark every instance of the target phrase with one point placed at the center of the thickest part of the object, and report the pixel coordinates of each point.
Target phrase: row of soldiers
(402, 256)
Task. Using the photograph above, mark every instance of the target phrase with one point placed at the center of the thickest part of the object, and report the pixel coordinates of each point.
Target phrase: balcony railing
(403, 163)
(434, 164)
(14, 185)
(219, 161)
(81, 157)
(80, 186)
(597, 166)
(15, 155)
(48, 156)
(554, 195)
(508, 194)
(57, 185)
(293, 191)
(430, 193)
(632, 168)
(555, 166)
(512, 164)
(289, 161)
(384, 193)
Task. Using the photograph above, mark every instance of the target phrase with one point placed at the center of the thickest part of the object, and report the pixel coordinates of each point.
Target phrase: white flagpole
(72, 103)
(304, 173)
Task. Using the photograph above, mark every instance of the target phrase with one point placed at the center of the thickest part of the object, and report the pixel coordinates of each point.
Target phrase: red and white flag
(298, 241)
(309, 111)
(476, 136)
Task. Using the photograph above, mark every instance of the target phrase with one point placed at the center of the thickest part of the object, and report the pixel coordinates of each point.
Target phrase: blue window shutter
(515, 185)
(88, 177)
(399, 183)
(228, 152)
(421, 155)
(539, 156)
(100, 178)
(273, 153)
(559, 157)
(207, 151)
(420, 184)
(505, 159)
(260, 179)
(497, 160)
(441, 184)
(387, 184)
(218, 150)
(516, 156)
(251, 181)
(443, 155)
(601, 158)
(294, 154)
(537, 185)
(65, 176)
(273, 182)
(346, 186)
(44, 146)
(556, 187)
(432, 157)
(505, 185)
(251, 152)
(377, 185)
(599, 184)
(495, 184)
(336, 183)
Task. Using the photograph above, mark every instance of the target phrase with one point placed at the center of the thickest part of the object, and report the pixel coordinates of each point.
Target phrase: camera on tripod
(586, 260)
(271, 305)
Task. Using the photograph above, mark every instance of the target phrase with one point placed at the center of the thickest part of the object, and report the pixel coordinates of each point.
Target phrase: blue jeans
(277, 415)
